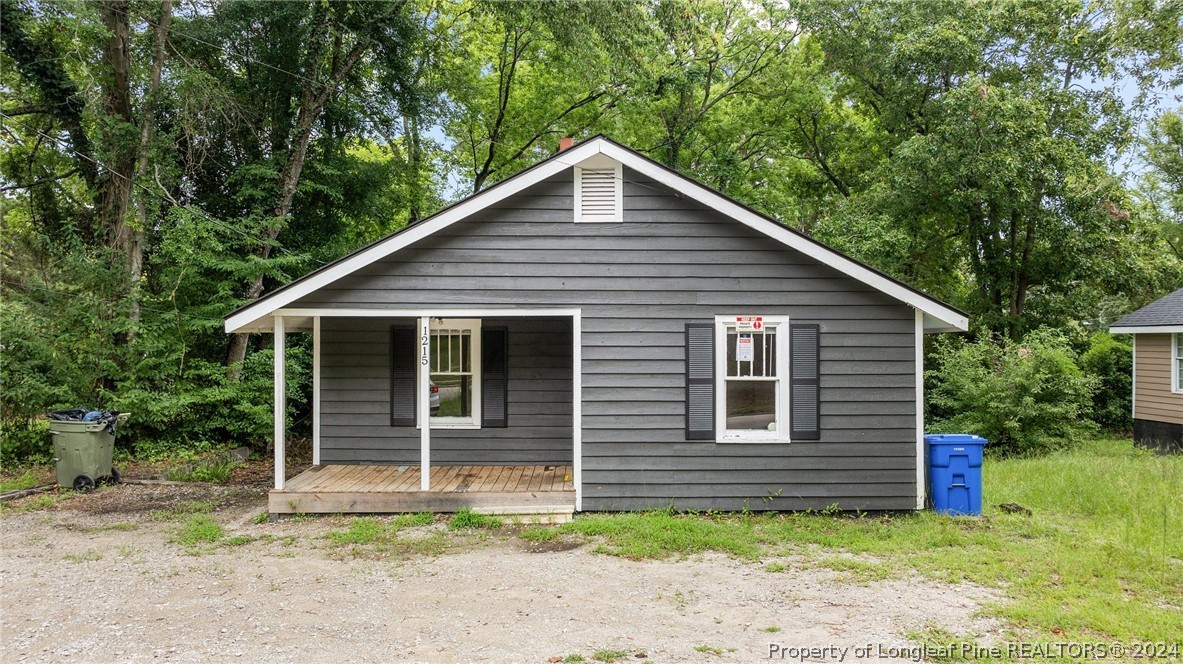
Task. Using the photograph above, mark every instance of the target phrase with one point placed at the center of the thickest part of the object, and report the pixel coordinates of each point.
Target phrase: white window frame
(473, 326)
(1176, 374)
(783, 425)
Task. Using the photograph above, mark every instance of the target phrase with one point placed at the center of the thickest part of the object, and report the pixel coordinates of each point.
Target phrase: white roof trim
(1145, 329)
(244, 318)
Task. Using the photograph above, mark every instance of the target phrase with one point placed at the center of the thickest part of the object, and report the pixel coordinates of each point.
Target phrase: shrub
(24, 442)
(1026, 397)
(1111, 362)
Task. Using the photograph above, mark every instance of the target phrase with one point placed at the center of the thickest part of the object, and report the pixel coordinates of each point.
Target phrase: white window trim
(473, 325)
(618, 181)
(1175, 338)
(784, 426)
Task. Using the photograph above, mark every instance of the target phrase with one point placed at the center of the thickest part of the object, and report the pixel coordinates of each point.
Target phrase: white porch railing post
(316, 390)
(280, 402)
(424, 401)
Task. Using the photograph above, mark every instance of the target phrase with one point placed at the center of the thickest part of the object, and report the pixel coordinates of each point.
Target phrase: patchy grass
(369, 536)
(466, 519)
(712, 650)
(1100, 557)
(182, 510)
(26, 480)
(771, 629)
(574, 658)
(86, 556)
(607, 655)
(199, 529)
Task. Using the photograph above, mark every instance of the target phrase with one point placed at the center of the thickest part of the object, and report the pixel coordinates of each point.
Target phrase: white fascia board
(1146, 329)
(787, 237)
(243, 320)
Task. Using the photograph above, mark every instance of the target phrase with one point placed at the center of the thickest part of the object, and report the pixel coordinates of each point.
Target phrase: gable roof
(939, 317)
(1161, 316)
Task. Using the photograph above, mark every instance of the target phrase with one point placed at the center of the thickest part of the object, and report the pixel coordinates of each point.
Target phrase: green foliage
(1025, 396)
(466, 519)
(25, 442)
(1110, 362)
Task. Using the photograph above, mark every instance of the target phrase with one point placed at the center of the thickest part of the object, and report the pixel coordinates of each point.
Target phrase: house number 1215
(424, 339)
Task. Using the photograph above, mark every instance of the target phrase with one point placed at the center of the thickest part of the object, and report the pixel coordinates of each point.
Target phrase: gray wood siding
(638, 282)
(355, 399)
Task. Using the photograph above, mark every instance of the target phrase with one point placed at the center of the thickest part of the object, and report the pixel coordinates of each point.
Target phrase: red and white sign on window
(749, 323)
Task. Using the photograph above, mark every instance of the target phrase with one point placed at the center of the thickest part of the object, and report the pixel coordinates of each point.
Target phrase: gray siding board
(637, 284)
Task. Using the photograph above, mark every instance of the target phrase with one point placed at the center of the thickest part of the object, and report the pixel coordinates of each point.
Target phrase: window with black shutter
(468, 379)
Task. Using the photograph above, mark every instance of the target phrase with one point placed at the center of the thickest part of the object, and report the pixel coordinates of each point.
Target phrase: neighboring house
(604, 333)
(1158, 371)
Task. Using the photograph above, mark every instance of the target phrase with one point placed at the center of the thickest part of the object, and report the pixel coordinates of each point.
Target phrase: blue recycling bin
(955, 473)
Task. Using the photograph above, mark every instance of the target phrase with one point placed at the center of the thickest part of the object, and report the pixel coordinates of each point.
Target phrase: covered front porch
(504, 440)
(331, 489)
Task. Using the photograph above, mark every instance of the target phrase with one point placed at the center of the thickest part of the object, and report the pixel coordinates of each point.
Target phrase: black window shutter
(402, 376)
(494, 377)
(803, 381)
(700, 381)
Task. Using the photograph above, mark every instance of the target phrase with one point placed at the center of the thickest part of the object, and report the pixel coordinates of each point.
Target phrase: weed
(262, 517)
(539, 535)
(87, 556)
(466, 519)
(238, 540)
(771, 629)
(216, 472)
(609, 655)
(712, 650)
(775, 567)
(199, 528)
(574, 658)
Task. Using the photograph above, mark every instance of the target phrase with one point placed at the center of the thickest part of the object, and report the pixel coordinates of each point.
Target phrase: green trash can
(83, 452)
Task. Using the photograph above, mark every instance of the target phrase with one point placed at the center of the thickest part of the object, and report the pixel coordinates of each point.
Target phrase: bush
(1026, 397)
(24, 442)
(1111, 362)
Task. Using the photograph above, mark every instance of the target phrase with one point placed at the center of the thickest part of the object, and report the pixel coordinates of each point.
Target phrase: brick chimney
(566, 143)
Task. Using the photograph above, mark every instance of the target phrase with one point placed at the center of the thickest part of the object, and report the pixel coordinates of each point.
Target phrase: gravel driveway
(88, 580)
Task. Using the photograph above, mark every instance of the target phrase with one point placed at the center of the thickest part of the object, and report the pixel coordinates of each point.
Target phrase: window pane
(454, 395)
(751, 404)
(751, 354)
(451, 351)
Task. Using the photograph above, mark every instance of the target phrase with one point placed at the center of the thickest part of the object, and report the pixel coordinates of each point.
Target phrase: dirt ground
(102, 578)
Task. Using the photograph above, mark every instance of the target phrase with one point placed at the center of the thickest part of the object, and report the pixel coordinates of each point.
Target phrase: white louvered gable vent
(599, 193)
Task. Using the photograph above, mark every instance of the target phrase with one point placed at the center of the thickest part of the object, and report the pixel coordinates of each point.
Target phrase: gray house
(599, 332)
(1158, 371)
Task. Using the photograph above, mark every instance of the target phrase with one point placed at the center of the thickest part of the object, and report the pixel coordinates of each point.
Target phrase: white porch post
(316, 390)
(577, 407)
(280, 402)
(920, 460)
(424, 401)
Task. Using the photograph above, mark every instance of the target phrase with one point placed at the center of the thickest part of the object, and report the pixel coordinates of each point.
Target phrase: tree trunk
(116, 185)
(135, 246)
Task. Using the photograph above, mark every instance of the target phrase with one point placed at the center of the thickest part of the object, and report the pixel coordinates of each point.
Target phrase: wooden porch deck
(533, 490)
